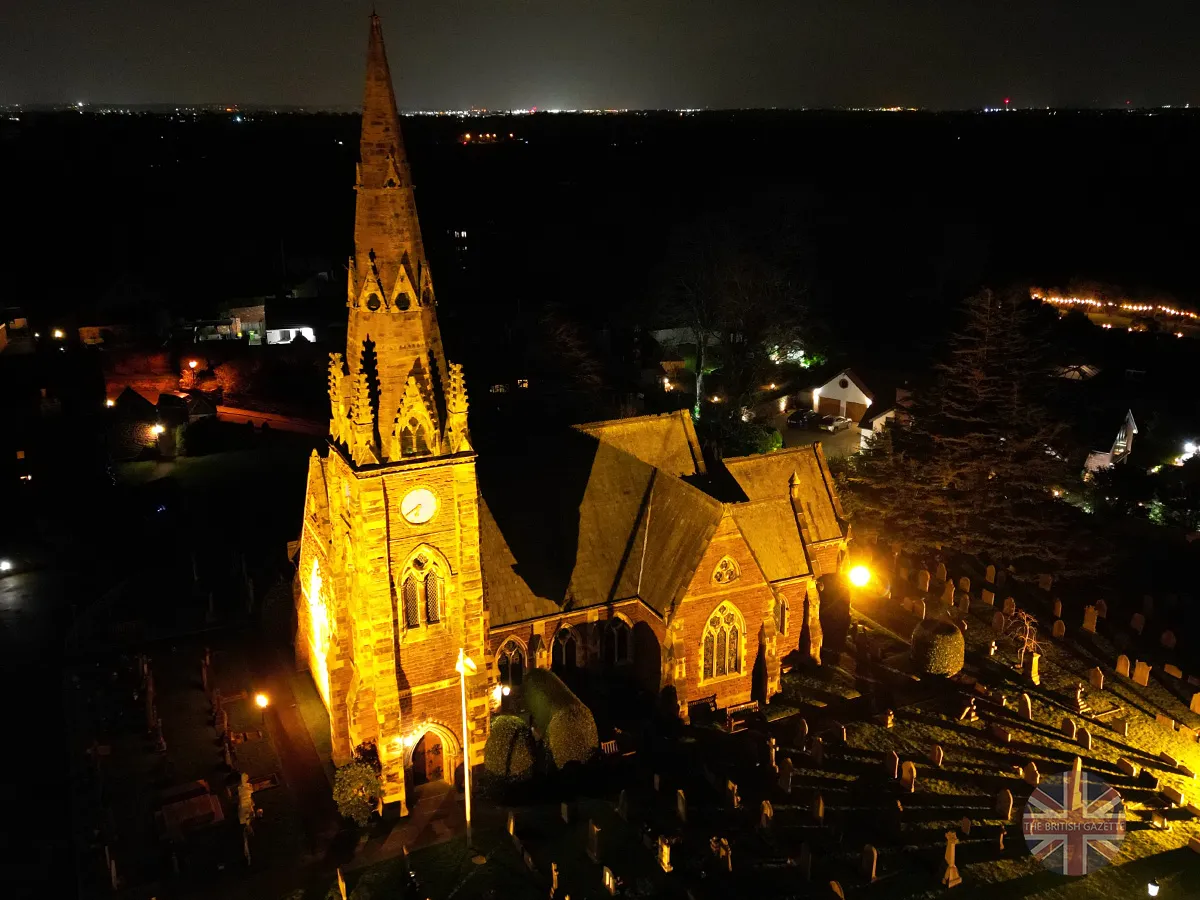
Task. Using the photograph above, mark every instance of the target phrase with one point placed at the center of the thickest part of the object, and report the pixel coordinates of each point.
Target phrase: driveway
(843, 443)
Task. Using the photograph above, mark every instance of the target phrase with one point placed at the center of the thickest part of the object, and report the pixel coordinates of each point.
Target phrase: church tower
(389, 584)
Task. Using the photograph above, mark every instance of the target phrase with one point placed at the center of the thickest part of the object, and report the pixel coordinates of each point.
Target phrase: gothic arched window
(511, 663)
(566, 650)
(423, 594)
(433, 597)
(412, 439)
(412, 612)
(618, 643)
(781, 614)
(722, 643)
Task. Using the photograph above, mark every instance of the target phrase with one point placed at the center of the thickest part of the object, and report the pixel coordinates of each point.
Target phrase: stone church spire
(392, 394)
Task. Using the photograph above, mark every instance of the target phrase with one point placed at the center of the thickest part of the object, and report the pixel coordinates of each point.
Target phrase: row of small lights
(1128, 307)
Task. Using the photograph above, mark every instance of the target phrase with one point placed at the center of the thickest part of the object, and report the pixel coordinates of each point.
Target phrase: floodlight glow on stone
(859, 576)
(261, 701)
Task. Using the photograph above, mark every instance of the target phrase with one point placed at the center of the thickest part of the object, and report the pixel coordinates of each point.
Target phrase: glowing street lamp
(157, 429)
(859, 576)
(192, 364)
(464, 667)
(58, 334)
(5, 565)
(110, 403)
(262, 701)
(1152, 888)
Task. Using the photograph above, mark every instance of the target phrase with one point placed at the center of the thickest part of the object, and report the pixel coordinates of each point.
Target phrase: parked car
(834, 424)
(801, 418)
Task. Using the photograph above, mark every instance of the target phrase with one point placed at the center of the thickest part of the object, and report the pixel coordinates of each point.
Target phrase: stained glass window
(433, 597)
(412, 612)
(722, 643)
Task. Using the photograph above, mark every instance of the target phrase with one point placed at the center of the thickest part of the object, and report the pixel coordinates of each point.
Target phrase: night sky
(606, 53)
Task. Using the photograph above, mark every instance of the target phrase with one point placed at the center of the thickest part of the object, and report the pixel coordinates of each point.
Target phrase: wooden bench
(738, 715)
(703, 709)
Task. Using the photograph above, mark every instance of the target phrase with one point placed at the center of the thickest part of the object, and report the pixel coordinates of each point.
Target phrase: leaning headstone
(1032, 666)
(1025, 707)
(999, 734)
(1127, 767)
(1141, 673)
(664, 854)
(1172, 670)
(801, 733)
(1084, 737)
(940, 574)
(1029, 772)
(989, 575)
(1096, 678)
(1137, 622)
(964, 584)
(610, 882)
(1010, 606)
(1174, 796)
(908, 776)
(766, 812)
(731, 794)
(891, 764)
(1089, 619)
(1102, 609)
(1165, 721)
(1168, 639)
(1123, 665)
(1120, 726)
(937, 754)
(870, 858)
(923, 581)
(785, 775)
(948, 593)
(950, 876)
(998, 621)
(817, 807)
(919, 609)
(836, 887)
(987, 597)
(1068, 728)
(1004, 805)
(681, 805)
(1056, 610)
(1059, 629)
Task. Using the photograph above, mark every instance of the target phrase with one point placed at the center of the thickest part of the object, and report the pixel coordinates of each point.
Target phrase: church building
(611, 549)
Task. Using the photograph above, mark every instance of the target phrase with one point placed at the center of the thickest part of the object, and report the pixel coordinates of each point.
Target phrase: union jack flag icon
(1074, 823)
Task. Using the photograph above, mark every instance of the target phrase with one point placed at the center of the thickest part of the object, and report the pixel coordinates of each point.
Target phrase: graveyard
(864, 778)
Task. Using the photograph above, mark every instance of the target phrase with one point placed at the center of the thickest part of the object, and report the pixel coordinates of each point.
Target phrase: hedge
(509, 749)
(937, 648)
(566, 725)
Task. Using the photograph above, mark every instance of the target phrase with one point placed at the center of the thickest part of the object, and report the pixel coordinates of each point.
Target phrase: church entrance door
(428, 759)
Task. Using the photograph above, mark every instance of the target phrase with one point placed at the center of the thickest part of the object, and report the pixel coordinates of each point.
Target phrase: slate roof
(770, 529)
(667, 441)
(768, 476)
(575, 522)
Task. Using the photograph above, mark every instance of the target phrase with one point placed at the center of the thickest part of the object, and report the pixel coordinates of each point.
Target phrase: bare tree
(1022, 630)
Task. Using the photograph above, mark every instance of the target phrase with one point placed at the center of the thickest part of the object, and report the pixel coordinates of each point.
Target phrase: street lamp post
(262, 701)
(465, 666)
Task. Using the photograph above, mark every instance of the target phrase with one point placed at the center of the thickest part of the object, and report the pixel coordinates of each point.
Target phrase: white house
(1121, 446)
(845, 394)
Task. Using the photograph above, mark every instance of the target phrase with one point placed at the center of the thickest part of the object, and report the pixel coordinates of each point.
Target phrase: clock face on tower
(418, 506)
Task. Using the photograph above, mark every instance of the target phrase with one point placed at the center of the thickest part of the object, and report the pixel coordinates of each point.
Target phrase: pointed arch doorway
(434, 757)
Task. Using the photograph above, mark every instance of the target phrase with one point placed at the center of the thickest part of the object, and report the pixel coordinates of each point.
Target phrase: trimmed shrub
(566, 725)
(937, 648)
(509, 750)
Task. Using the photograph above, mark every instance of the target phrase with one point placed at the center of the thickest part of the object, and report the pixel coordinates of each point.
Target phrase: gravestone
(512, 824)
(1120, 726)
(1068, 728)
(950, 876)
(664, 854)
(801, 733)
(1004, 805)
(1000, 734)
(964, 605)
(766, 812)
(992, 644)
(1077, 768)
(1102, 609)
(908, 776)
(1172, 670)
(965, 826)
(1167, 758)
(818, 751)
(997, 621)
(1137, 622)
(610, 882)
(593, 841)
(806, 860)
(1141, 673)
(1174, 796)
(564, 810)
(1127, 767)
(989, 575)
(1030, 774)
(772, 748)
(681, 805)
(1059, 629)
(817, 807)
(1123, 665)
(1168, 639)
(1195, 704)
(1089, 619)
(1056, 611)
(923, 581)
(1010, 606)
(1025, 707)
(936, 755)
(987, 597)
(731, 794)
(1096, 679)
(785, 775)
(940, 573)
(964, 584)
(1084, 737)
(919, 609)
(948, 593)
(1165, 721)
(836, 887)
(1033, 666)
(870, 858)
(891, 764)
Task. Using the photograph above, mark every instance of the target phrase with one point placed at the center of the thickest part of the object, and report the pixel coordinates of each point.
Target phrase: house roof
(855, 379)
(619, 528)
(667, 441)
(768, 476)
